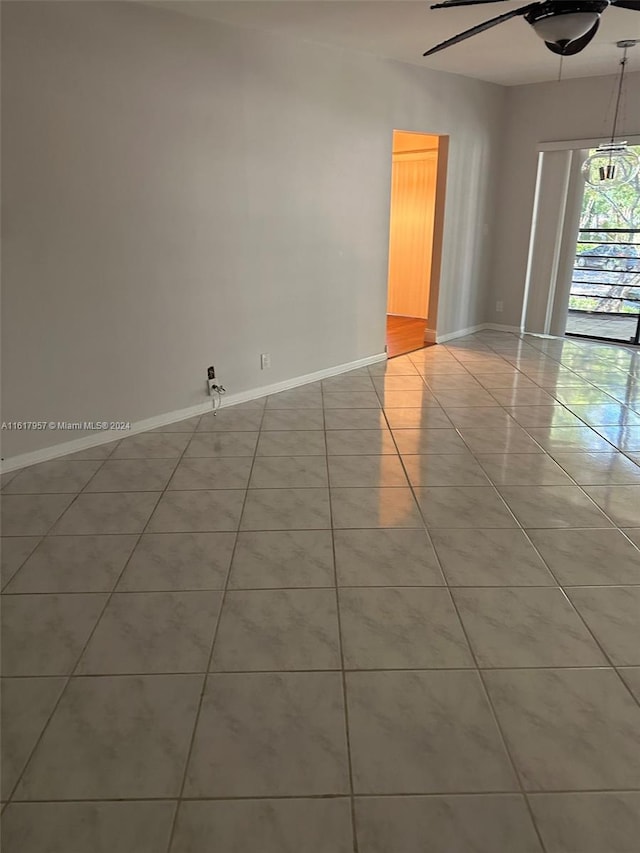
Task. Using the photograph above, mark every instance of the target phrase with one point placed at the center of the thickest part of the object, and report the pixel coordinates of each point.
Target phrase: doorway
(413, 240)
(604, 300)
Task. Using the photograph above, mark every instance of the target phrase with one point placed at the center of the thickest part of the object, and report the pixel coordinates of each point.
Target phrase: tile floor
(397, 611)
(602, 325)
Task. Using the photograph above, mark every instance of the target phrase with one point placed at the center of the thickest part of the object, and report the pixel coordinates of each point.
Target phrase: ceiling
(509, 54)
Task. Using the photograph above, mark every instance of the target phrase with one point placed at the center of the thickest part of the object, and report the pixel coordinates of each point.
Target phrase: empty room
(320, 441)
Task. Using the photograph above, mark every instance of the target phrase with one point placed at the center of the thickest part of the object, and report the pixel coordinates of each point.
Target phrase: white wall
(178, 193)
(544, 112)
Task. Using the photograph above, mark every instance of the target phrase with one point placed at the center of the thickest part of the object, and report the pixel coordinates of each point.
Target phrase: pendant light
(613, 163)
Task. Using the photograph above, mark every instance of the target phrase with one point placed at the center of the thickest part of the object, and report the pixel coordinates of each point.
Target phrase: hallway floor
(396, 611)
(404, 334)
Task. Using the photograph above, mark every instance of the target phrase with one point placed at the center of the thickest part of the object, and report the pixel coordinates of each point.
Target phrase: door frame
(438, 228)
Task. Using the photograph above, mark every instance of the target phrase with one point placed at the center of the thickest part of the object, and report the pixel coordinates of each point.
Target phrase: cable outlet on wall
(214, 385)
(265, 360)
(499, 306)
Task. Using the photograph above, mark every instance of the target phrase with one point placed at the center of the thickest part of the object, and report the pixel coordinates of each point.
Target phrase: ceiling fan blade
(627, 4)
(480, 28)
(576, 45)
(448, 4)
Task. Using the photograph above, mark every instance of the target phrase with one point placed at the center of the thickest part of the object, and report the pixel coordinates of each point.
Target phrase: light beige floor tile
(401, 628)
(132, 475)
(613, 615)
(152, 446)
(271, 826)
(222, 444)
(417, 418)
(581, 439)
(278, 629)
(282, 558)
(489, 557)
(283, 472)
(543, 416)
(115, 737)
(295, 746)
(553, 506)
(588, 823)
(568, 729)
(621, 503)
(286, 509)
(291, 443)
(588, 557)
(149, 632)
(398, 719)
(295, 419)
(594, 469)
(354, 419)
(383, 507)
(429, 441)
(57, 476)
(386, 557)
(512, 439)
(128, 827)
(197, 511)
(74, 564)
(631, 677)
(350, 442)
(305, 397)
(27, 704)
(14, 551)
(31, 515)
(225, 472)
(408, 399)
(479, 417)
(372, 471)
(463, 506)
(482, 823)
(45, 634)
(231, 420)
(174, 561)
(519, 469)
(113, 512)
(434, 469)
(525, 627)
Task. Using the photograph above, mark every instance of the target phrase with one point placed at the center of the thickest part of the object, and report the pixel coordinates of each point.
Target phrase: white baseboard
(450, 336)
(500, 327)
(481, 327)
(65, 448)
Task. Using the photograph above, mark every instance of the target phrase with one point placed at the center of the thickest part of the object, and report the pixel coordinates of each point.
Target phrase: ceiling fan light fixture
(565, 27)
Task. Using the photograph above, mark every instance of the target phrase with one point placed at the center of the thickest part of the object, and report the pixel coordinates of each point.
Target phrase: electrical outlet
(499, 306)
(265, 360)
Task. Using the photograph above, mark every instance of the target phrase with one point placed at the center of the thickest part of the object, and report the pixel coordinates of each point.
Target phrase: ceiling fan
(565, 26)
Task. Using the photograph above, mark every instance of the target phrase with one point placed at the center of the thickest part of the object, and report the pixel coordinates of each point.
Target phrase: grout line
(266, 589)
(500, 792)
(207, 673)
(69, 677)
(413, 668)
(347, 732)
(575, 610)
(64, 511)
(476, 669)
(562, 586)
(447, 585)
